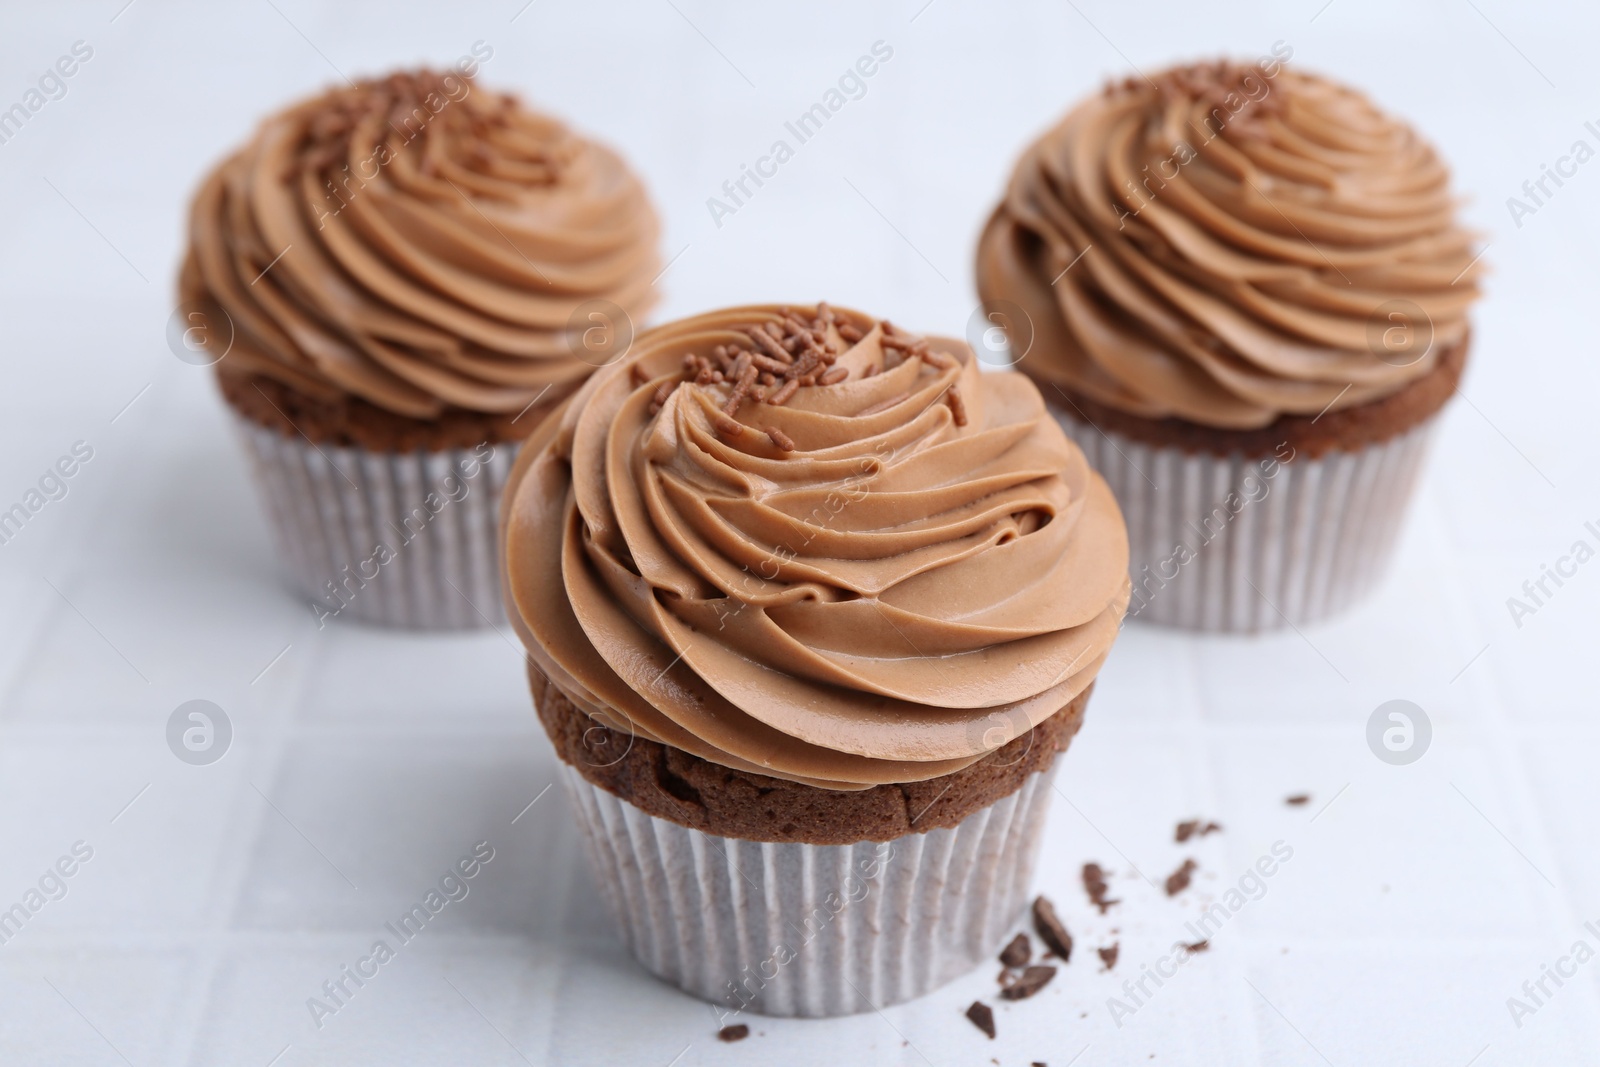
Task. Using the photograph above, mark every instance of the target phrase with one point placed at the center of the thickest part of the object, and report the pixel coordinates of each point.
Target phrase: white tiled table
(365, 762)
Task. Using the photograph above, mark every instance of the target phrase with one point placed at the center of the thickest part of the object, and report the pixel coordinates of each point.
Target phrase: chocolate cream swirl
(418, 243)
(1228, 246)
(801, 543)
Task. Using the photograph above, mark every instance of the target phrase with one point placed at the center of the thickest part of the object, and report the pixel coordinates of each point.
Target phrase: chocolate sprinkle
(1033, 979)
(1018, 952)
(982, 1017)
(1094, 883)
(1108, 955)
(1178, 880)
(1194, 828)
(1051, 930)
(1298, 800)
(736, 1032)
(785, 391)
(798, 350)
(1198, 946)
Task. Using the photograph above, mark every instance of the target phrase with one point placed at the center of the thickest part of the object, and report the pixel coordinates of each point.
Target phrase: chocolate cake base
(672, 784)
(1348, 429)
(350, 420)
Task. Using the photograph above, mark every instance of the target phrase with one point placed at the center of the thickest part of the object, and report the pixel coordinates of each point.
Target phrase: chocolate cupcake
(811, 607)
(1243, 291)
(409, 273)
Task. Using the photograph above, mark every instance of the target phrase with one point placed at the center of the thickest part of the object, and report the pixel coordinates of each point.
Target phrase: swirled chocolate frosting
(799, 542)
(419, 243)
(1228, 246)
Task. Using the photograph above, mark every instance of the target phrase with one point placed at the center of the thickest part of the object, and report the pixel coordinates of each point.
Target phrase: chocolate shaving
(982, 1017)
(736, 1032)
(1178, 880)
(781, 439)
(1108, 955)
(1033, 979)
(1194, 828)
(1051, 930)
(1017, 952)
(1094, 883)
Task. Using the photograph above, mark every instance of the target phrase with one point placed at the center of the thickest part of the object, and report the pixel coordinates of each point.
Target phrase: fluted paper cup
(1247, 543)
(786, 928)
(397, 538)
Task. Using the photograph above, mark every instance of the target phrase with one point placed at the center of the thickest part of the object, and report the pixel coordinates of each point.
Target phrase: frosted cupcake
(400, 278)
(811, 607)
(1244, 292)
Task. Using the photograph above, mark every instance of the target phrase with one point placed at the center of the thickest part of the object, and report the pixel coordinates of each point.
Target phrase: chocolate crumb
(1198, 946)
(1195, 828)
(1298, 800)
(1018, 952)
(1108, 955)
(1094, 883)
(736, 1032)
(982, 1017)
(781, 439)
(1033, 979)
(1178, 880)
(1051, 930)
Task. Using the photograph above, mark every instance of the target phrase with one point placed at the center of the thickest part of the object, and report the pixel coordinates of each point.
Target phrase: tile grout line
(231, 868)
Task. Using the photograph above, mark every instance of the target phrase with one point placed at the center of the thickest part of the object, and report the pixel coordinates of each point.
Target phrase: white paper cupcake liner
(402, 539)
(1242, 544)
(812, 930)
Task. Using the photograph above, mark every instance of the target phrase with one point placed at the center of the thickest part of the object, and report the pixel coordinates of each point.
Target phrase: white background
(1418, 900)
